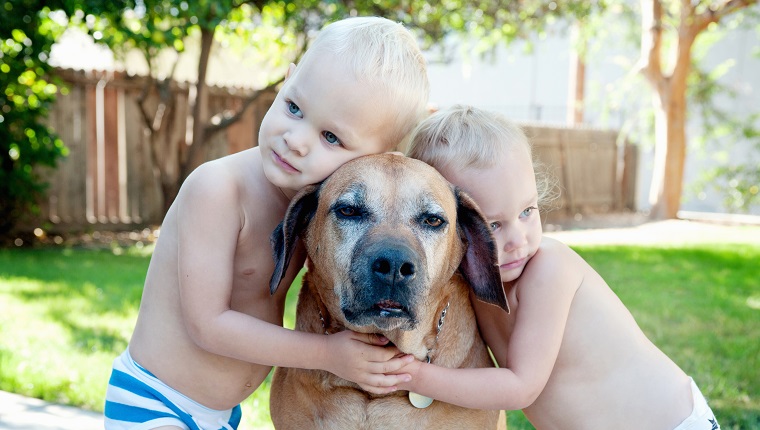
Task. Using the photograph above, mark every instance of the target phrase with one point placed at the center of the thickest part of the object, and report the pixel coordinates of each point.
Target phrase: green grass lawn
(65, 314)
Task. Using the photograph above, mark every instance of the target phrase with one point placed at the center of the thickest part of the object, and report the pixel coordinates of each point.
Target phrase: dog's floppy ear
(479, 265)
(285, 236)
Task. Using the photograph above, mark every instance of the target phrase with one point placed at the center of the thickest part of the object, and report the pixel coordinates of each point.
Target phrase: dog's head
(382, 231)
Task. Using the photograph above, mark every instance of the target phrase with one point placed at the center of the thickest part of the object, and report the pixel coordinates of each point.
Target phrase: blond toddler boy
(570, 354)
(208, 330)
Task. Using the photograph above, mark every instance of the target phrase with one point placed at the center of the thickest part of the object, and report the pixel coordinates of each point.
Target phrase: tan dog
(394, 249)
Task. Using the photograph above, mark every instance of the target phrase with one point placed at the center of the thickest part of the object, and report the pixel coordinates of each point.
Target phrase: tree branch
(223, 120)
(692, 24)
(689, 27)
(649, 63)
(715, 13)
(142, 98)
(259, 4)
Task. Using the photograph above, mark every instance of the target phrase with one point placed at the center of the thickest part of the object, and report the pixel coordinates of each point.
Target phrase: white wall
(533, 86)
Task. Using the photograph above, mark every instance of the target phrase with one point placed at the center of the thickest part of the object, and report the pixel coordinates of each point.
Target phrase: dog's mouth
(389, 309)
(385, 314)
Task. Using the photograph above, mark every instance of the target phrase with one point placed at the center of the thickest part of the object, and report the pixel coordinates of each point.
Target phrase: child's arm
(346, 354)
(209, 222)
(545, 293)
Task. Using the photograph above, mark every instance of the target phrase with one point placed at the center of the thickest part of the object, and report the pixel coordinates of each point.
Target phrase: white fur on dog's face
(364, 205)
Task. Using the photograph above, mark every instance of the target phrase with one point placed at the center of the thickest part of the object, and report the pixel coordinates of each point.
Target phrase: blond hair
(463, 137)
(385, 55)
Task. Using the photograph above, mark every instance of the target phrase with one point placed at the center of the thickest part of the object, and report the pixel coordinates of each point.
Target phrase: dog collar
(418, 400)
(438, 330)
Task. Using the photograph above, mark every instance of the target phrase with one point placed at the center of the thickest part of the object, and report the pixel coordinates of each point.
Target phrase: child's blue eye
(294, 109)
(494, 226)
(330, 137)
(528, 211)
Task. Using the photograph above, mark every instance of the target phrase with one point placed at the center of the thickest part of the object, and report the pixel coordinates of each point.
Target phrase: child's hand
(361, 358)
(410, 369)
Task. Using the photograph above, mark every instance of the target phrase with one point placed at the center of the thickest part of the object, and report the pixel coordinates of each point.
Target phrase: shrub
(27, 92)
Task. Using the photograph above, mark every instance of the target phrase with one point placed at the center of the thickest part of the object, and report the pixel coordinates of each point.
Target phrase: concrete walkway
(671, 232)
(24, 413)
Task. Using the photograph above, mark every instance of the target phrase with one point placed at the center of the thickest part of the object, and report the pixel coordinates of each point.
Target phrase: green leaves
(28, 89)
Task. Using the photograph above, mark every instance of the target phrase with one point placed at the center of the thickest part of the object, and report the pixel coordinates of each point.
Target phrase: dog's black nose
(394, 266)
(392, 271)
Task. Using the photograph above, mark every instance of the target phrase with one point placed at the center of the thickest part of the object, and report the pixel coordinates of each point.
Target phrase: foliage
(490, 23)
(66, 313)
(738, 181)
(28, 91)
(739, 184)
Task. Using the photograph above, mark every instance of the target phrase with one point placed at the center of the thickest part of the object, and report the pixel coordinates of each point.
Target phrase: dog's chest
(388, 413)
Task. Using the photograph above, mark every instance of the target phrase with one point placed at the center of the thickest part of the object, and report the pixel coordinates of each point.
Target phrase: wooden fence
(107, 182)
(595, 172)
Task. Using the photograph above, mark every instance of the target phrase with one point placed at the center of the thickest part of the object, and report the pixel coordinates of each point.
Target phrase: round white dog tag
(419, 401)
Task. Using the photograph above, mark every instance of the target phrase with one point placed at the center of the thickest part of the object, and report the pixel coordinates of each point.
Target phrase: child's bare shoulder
(235, 185)
(555, 264)
(237, 176)
(554, 252)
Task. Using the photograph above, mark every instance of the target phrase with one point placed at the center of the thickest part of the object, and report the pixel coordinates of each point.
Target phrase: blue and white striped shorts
(137, 400)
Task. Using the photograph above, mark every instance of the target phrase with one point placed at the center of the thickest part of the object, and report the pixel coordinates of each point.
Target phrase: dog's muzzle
(385, 275)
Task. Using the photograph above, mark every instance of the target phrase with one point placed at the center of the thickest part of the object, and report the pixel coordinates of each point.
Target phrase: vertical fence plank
(630, 167)
(136, 158)
(111, 190)
(121, 130)
(91, 149)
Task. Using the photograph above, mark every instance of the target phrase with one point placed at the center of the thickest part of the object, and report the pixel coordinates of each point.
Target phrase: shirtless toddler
(208, 330)
(570, 354)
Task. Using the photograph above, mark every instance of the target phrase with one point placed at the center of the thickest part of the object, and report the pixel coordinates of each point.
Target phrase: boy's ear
(285, 236)
(479, 266)
(291, 69)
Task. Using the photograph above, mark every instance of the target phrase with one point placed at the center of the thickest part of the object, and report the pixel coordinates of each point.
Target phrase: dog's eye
(349, 211)
(433, 221)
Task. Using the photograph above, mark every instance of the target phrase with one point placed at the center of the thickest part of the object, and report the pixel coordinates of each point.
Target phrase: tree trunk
(169, 191)
(669, 105)
(670, 115)
(164, 156)
(670, 94)
(670, 151)
(577, 79)
(161, 135)
(199, 111)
